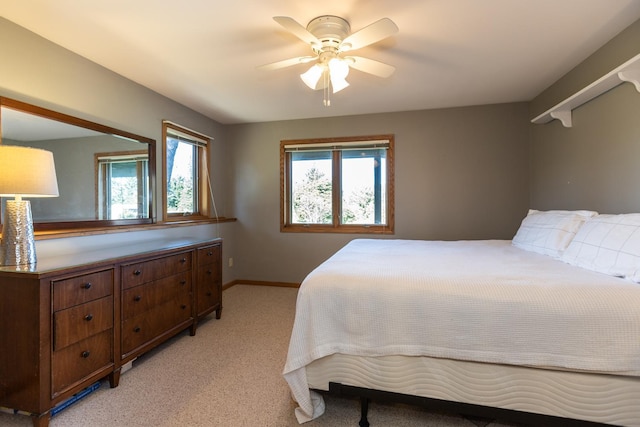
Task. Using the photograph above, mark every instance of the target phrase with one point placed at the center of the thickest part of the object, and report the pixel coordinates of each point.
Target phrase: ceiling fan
(330, 38)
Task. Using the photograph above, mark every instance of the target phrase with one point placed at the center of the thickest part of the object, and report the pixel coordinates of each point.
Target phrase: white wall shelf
(627, 72)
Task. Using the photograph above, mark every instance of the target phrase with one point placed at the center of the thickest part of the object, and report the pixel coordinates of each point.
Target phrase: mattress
(483, 301)
(608, 399)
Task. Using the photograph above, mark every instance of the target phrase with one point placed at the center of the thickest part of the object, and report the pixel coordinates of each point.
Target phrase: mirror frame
(67, 226)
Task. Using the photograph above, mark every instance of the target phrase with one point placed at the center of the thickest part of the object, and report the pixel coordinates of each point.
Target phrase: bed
(547, 323)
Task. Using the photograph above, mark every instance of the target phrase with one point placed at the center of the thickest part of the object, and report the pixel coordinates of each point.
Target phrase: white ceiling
(448, 53)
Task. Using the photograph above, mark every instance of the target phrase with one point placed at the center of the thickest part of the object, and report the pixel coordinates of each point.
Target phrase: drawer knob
(86, 285)
(183, 260)
(209, 293)
(137, 273)
(183, 306)
(183, 282)
(85, 354)
(209, 253)
(137, 298)
(88, 317)
(136, 329)
(209, 272)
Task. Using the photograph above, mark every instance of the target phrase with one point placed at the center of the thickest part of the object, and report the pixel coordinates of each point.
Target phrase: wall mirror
(106, 177)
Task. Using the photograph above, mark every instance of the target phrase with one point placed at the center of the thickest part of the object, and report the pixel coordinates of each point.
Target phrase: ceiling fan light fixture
(338, 68)
(338, 72)
(337, 84)
(329, 36)
(312, 76)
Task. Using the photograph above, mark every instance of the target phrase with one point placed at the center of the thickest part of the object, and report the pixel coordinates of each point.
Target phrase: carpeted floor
(228, 375)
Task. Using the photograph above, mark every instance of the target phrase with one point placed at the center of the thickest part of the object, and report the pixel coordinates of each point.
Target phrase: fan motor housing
(329, 29)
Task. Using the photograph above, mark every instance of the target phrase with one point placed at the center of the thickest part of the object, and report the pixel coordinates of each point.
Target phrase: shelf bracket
(564, 116)
(631, 76)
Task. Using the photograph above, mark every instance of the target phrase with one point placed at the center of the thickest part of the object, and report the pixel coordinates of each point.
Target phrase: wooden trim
(285, 210)
(338, 139)
(259, 283)
(122, 228)
(65, 118)
(329, 228)
(163, 185)
(336, 189)
(391, 187)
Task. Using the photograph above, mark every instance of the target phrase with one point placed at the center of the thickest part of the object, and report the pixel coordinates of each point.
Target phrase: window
(123, 185)
(342, 185)
(186, 185)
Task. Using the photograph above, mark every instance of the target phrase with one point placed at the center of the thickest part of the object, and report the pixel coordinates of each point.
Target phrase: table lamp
(24, 172)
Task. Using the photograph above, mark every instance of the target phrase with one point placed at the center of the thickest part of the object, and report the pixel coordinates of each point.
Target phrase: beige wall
(461, 173)
(593, 164)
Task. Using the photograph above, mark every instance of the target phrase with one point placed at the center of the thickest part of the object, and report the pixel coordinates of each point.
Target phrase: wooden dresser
(69, 322)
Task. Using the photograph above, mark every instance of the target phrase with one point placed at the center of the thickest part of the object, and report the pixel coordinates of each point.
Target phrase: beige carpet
(228, 375)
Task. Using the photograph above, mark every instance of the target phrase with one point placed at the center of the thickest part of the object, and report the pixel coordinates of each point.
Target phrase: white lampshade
(338, 72)
(312, 77)
(24, 172)
(27, 172)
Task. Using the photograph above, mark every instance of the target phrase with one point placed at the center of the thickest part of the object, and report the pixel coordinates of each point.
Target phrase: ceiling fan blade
(370, 66)
(370, 34)
(287, 63)
(297, 30)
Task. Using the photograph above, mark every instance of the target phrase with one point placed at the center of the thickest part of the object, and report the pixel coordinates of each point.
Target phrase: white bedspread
(473, 300)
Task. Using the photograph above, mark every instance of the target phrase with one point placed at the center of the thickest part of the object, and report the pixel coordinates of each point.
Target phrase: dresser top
(105, 254)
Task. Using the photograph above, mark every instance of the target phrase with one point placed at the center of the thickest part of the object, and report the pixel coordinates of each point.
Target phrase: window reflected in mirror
(123, 185)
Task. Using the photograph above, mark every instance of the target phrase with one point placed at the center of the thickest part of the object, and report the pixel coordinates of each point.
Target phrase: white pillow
(549, 232)
(608, 244)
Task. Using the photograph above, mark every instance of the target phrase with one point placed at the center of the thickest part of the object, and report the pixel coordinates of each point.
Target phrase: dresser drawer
(142, 272)
(80, 360)
(80, 289)
(147, 326)
(209, 255)
(209, 288)
(145, 297)
(82, 321)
